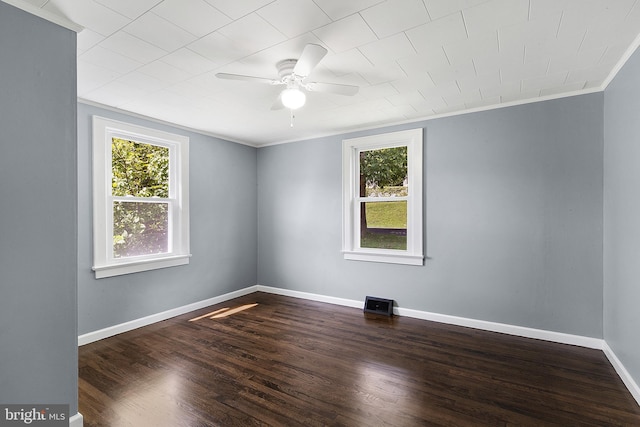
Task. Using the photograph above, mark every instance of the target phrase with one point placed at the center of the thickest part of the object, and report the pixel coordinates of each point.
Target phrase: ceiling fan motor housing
(285, 69)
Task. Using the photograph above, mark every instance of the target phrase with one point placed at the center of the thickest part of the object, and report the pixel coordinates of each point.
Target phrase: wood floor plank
(293, 362)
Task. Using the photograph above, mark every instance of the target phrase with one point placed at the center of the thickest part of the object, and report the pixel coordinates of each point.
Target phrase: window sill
(140, 265)
(385, 257)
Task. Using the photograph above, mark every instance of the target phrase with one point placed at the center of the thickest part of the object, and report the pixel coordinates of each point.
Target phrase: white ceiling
(412, 59)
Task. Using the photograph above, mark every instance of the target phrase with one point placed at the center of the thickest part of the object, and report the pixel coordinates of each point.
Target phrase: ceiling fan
(293, 74)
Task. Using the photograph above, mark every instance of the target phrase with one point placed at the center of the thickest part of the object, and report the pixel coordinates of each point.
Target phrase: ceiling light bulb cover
(293, 98)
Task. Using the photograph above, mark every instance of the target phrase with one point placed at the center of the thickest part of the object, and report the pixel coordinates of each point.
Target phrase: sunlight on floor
(155, 404)
(224, 312)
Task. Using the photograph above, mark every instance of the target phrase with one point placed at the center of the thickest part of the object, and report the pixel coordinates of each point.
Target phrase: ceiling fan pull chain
(292, 117)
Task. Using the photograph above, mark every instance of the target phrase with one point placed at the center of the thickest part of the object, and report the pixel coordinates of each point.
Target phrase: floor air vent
(378, 306)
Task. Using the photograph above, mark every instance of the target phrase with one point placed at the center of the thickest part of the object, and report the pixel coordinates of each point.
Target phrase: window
(140, 198)
(382, 198)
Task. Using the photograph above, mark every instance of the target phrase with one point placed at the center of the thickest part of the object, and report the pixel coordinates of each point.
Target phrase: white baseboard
(624, 375)
(504, 328)
(309, 296)
(453, 320)
(521, 331)
(154, 318)
(76, 420)
(559, 337)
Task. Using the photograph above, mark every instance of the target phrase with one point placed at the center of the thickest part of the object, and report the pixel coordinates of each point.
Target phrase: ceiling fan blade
(248, 78)
(311, 56)
(347, 90)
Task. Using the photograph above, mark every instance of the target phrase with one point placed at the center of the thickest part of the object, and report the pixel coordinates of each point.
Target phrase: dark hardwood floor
(290, 362)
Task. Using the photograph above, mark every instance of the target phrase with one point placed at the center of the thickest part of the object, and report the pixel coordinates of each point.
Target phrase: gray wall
(622, 216)
(38, 309)
(222, 178)
(513, 225)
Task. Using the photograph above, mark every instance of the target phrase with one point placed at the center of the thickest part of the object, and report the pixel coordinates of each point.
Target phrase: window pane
(383, 225)
(383, 172)
(140, 228)
(139, 169)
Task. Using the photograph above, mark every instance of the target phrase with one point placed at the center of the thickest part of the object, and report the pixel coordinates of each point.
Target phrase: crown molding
(45, 14)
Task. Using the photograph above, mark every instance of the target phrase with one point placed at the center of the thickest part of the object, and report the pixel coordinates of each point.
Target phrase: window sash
(171, 200)
(171, 226)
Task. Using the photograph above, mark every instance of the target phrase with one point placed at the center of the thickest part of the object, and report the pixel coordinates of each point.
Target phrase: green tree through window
(383, 214)
(140, 182)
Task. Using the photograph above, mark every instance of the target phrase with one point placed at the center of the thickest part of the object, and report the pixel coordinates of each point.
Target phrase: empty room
(319, 212)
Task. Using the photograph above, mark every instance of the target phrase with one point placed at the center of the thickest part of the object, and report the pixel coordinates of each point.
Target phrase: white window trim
(351, 207)
(104, 264)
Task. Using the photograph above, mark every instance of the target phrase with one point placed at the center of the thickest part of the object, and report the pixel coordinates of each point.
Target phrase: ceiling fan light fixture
(293, 98)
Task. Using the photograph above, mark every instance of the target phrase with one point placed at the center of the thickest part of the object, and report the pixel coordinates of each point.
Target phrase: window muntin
(141, 218)
(382, 198)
